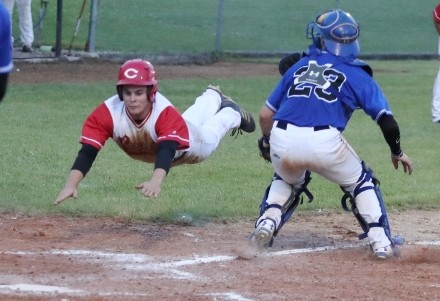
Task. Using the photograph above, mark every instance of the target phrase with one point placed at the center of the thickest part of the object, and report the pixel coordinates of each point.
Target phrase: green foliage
(170, 26)
(41, 124)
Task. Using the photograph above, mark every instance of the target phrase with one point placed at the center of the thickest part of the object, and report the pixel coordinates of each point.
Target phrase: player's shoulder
(161, 102)
(113, 101)
(162, 98)
(363, 65)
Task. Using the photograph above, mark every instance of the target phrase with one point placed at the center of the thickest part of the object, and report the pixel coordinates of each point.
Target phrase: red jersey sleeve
(171, 126)
(98, 127)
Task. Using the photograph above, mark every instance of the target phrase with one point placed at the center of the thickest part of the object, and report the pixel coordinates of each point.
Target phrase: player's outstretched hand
(405, 160)
(65, 194)
(149, 189)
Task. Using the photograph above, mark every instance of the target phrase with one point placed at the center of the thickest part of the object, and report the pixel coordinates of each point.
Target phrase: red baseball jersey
(139, 141)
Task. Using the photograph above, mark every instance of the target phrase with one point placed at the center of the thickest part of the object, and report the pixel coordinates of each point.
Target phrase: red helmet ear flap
(152, 92)
(119, 90)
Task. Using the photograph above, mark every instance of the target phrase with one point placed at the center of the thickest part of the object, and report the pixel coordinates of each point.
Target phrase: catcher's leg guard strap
(295, 199)
(279, 191)
(289, 206)
(368, 176)
(383, 221)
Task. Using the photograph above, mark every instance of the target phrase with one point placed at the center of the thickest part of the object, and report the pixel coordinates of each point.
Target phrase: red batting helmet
(436, 14)
(137, 72)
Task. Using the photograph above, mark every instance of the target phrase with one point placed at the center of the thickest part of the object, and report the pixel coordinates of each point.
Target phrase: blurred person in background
(436, 90)
(5, 50)
(25, 21)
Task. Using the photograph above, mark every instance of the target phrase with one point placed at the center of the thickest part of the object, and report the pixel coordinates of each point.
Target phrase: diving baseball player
(302, 123)
(147, 127)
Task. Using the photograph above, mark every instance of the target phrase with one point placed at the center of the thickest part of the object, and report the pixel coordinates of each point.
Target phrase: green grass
(147, 26)
(41, 124)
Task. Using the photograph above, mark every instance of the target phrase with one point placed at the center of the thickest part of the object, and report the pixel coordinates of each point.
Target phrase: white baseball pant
(25, 19)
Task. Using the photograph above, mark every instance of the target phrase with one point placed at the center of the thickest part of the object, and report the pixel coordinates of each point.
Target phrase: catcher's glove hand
(288, 61)
(264, 147)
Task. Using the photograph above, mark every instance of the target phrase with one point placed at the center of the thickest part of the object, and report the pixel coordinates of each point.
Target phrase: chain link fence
(242, 27)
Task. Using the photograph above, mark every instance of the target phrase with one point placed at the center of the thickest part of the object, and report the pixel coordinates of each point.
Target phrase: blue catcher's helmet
(338, 31)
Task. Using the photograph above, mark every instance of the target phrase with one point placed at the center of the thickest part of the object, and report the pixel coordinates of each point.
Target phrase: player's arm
(266, 123)
(3, 84)
(83, 162)
(266, 120)
(164, 157)
(391, 133)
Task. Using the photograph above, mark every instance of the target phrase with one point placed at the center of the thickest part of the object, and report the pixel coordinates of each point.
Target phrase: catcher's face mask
(338, 30)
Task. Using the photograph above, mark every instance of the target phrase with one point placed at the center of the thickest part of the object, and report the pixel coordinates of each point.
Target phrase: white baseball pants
(207, 126)
(25, 19)
(325, 152)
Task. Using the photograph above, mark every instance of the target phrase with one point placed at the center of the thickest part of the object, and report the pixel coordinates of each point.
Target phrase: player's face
(136, 101)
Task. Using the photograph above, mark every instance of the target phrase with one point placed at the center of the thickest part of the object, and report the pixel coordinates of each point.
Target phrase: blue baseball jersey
(6, 64)
(324, 89)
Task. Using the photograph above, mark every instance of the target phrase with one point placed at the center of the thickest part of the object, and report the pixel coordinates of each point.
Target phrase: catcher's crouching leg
(284, 200)
(373, 220)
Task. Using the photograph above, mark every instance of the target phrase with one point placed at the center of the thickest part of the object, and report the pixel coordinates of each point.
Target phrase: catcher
(147, 127)
(302, 123)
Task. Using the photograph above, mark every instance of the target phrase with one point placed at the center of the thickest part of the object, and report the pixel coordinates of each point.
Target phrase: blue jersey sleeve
(373, 101)
(278, 93)
(6, 64)
(274, 100)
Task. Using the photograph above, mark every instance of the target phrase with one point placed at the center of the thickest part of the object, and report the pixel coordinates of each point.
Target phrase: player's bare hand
(65, 194)
(149, 189)
(405, 160)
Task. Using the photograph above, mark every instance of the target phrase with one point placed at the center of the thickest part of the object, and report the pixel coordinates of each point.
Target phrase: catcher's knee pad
(367, 177)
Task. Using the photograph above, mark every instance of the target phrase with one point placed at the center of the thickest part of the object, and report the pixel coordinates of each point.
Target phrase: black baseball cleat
(247, 123)
(27, 49)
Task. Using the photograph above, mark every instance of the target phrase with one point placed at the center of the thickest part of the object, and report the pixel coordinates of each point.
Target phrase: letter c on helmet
(131, 73)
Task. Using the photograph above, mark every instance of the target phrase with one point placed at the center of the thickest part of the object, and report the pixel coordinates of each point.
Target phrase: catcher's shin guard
(368, 175)
(290, 205)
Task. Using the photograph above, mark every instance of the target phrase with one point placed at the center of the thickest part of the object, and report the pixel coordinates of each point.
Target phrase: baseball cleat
(247, 123)
(384, 252)
(216, 89)
(398, 240)
(27, 49)
(262, 237)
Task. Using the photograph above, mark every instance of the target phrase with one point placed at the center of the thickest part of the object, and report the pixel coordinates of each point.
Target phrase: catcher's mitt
(288, 61)
(264, 147)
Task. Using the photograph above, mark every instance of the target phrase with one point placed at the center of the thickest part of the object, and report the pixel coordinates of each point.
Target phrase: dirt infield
(317, 256)
(90, 70)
